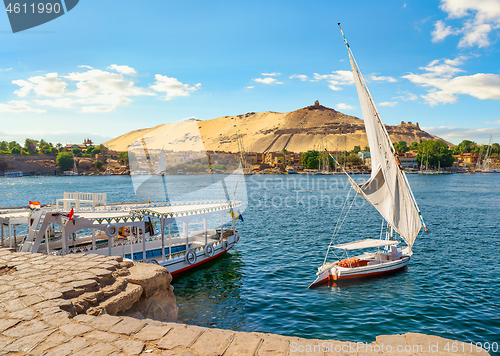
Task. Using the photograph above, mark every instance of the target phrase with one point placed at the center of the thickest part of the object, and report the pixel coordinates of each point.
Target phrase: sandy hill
(313, 127)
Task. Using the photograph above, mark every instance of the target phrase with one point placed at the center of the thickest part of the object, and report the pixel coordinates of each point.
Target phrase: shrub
(65, 161)
(15, 150)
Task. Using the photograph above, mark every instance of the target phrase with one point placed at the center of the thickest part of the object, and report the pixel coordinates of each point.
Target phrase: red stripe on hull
(365, 275)
(179, 271)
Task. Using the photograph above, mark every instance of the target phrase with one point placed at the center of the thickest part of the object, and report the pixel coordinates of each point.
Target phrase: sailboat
(388, 191)
(74, 171)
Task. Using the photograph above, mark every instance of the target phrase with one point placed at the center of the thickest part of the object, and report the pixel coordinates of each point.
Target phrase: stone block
(74, 329)
(73, 345)
(26, 328)
(130, 347)
(104, 322)
(102, 336)
(28, 342)
(244, 344)
(152, 332)
(179, 335)
(213, 342)
(128, 326)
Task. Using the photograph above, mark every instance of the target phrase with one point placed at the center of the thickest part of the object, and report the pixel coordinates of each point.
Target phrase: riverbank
(76, 305)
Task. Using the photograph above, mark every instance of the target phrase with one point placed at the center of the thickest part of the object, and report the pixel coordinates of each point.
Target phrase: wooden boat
(388, 191)
(15, 174)
(128, 230)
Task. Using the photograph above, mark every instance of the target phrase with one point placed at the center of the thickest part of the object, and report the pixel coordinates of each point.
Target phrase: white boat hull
(337, 274)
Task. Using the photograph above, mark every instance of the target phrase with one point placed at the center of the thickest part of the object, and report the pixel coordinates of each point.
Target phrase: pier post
(132, 235)
(144, 243)
(206, 232)
(162, 225)
(221, 227)
(110, 245)
(169, 241)
(2, 235)
(65, 248)
(187, 235)
(47, 247)
(10, 235)
(93, 240)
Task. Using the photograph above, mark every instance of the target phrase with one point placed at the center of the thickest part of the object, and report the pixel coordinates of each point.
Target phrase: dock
(76, 305)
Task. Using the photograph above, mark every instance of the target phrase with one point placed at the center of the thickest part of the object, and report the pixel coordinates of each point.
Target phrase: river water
(450, 289)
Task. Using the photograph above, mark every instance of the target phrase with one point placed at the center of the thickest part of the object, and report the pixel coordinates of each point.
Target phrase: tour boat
(128, 230)
(388, 191)
(13, 174)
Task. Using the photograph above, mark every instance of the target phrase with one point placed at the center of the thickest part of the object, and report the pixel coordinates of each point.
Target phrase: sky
(108, 67)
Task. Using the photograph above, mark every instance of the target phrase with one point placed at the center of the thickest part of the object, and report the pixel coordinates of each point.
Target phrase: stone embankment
(75, 305)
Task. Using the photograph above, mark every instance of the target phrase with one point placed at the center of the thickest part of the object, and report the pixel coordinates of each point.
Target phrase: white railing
(78, 198)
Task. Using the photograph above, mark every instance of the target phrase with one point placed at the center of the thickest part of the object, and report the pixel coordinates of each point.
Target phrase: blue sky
(108, 67)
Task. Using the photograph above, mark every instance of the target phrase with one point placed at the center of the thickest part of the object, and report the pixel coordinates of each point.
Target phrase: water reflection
(209, 294)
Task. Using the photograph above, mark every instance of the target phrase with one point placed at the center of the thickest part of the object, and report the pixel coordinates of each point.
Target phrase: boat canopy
(366, 244)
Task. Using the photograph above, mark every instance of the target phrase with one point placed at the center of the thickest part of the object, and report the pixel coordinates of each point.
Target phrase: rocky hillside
(313, 127)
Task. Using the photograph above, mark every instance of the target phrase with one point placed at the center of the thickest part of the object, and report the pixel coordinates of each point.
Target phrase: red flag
(71, 213)
(34, 204)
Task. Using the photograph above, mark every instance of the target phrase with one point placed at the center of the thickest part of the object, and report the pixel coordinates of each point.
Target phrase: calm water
(450, 289)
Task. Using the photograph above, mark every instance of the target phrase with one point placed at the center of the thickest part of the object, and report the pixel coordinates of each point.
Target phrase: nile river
(450, 289)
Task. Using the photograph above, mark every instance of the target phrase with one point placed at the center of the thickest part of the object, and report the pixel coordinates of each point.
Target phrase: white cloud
(481, 17)
(273, 74)
(5, 69)
(343, 106)
(406, 97)
(441, 31)
(91, 90)
(47, 85)
(497, 122)
(172, 87)
(267, 80)
(250, 87)
(381, 78)
(302, 77)
(389, 103)
(125, 70)
(337, 79)
(445, 86)
(457, 134)
(17, 106)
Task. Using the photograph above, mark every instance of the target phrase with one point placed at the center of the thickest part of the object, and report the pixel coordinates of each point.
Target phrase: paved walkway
(42, 300)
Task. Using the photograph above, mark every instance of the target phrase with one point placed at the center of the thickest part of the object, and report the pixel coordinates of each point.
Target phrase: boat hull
(334, 275)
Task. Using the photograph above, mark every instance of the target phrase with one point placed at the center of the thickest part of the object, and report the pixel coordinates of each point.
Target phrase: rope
(336, 230)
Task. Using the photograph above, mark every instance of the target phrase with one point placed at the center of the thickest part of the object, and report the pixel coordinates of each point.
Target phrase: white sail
(387, 188)
(161, 164)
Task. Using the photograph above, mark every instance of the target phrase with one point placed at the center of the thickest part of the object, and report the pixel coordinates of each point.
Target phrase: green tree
(96, 151)
(98, 164)
(354, 159)
(367, 149)
(413, 146)
(124, 157)
(15, 150)
(437, 152)
(65, 160)
(77, 152)
(4, 146)
(401, 147)
(30, 145)
(465, 146)
(495, 148)
(13, 144)
(310, 159)
(53, 151)
(356, 149)
(90, 149)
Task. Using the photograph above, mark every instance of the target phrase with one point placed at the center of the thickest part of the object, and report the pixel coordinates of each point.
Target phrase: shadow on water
(208, 294)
